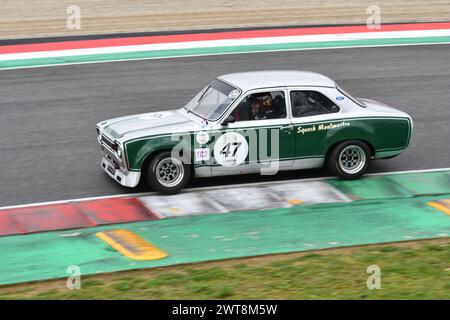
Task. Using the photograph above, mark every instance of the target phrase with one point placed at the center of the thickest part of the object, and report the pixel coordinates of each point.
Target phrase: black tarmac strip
(48, 146)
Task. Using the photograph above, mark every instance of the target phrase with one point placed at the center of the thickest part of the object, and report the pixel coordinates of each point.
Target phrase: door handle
(289, 127)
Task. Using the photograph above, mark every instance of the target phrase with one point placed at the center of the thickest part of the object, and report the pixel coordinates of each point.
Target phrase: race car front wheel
(167, 174)
(349, 159)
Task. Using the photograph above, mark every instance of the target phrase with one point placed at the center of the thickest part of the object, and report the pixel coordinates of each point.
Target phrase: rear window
(307, 103)
(348, 95)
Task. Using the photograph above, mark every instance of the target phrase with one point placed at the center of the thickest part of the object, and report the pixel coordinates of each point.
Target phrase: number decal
(202, 154)
(227, 149)
(230, 149)
(155, 115)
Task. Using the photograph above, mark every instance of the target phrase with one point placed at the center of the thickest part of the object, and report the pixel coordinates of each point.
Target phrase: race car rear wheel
(167, 174)
(349, 159)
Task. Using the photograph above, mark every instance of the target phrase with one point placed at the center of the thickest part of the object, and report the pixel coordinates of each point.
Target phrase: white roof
(276, 78)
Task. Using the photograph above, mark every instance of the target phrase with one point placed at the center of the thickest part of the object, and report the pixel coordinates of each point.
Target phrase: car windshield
(348, 95)
(213, 100)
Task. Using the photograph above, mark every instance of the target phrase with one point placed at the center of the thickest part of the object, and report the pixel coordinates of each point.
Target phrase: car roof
(276, 78)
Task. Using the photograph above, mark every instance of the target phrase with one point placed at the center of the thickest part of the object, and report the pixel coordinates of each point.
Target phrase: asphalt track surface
(48, 146)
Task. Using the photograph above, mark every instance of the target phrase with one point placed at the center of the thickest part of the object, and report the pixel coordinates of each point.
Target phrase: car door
(313, 109)
(261, 137)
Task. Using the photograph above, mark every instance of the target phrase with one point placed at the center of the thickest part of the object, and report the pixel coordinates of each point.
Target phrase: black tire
(161, 173)
(349, 160)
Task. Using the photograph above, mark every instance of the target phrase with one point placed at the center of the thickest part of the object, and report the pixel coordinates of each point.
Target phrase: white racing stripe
(228, 43)
(268, 183)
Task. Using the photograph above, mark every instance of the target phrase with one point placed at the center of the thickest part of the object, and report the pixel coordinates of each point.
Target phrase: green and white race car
(253, 122)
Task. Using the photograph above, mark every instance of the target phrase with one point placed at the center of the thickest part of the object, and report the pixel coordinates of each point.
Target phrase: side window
(311, 103)
(261, 106)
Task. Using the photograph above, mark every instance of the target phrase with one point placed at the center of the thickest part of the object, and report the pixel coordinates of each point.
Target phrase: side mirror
(229, 119)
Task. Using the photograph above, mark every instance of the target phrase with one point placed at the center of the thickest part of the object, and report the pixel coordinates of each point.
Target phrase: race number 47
(230, 149)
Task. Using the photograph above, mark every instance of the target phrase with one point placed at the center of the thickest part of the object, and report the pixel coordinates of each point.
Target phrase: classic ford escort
(253, 122)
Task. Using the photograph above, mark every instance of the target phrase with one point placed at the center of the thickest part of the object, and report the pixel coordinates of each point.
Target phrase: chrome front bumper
(112, 168)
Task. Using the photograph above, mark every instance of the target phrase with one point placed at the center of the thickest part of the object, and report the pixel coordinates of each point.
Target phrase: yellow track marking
(295, 202)
(442, 205)
(131, 245)
(175, 210)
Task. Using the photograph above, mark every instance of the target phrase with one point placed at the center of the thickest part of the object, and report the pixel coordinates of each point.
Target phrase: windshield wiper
(203, 94)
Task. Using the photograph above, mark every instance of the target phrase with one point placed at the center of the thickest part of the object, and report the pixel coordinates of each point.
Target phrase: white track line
(141, 194)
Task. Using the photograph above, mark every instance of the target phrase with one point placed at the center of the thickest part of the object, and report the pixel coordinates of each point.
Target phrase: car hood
(148, 123)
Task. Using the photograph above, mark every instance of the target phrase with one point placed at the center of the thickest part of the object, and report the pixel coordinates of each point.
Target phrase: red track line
(84, 44)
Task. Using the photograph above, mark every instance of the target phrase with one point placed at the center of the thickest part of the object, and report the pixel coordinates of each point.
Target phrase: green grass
(413, 270)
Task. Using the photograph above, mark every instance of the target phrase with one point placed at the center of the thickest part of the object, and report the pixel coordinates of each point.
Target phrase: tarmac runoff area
(120, 233)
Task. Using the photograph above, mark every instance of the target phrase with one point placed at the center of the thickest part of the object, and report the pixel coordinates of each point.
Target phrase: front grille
(108, 142)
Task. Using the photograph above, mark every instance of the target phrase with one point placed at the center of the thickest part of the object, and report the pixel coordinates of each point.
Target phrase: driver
(262, 106)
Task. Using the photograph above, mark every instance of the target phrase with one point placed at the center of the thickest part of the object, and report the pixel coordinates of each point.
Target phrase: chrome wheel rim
(352, 159)
(169, 172)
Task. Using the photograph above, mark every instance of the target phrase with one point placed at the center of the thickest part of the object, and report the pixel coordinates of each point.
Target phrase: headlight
(99, 136)
(118, 150)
